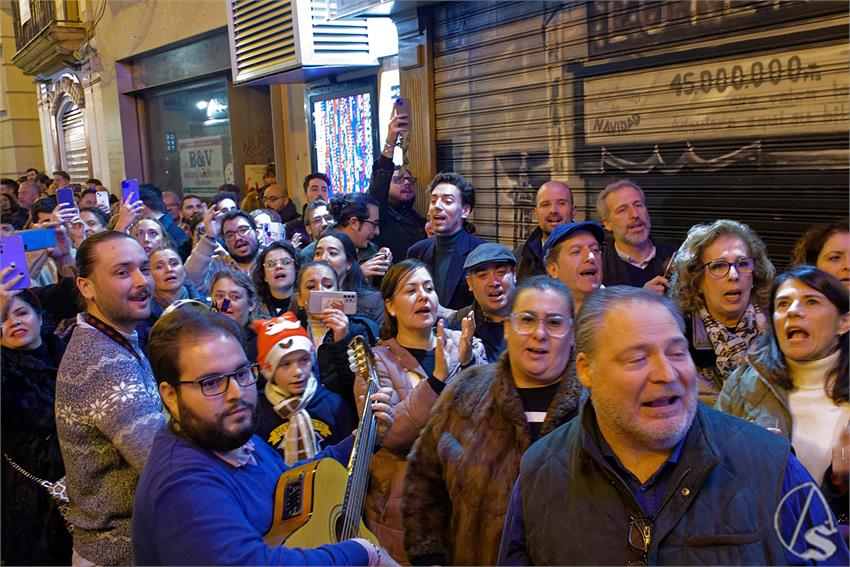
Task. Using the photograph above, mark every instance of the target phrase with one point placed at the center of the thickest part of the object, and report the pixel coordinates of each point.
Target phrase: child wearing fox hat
(298, 415)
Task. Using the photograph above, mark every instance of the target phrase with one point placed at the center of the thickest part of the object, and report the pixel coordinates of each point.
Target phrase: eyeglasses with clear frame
(324, 218)
(639, 537)
(212, 386)
(721, 268)
(241, 231)
(275, 263)
(555, 326)
(399, 180)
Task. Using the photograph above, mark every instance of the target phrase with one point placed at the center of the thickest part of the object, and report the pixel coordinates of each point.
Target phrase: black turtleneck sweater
(443, 250)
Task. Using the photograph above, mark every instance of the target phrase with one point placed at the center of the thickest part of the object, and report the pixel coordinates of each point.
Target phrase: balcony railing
(46, 32)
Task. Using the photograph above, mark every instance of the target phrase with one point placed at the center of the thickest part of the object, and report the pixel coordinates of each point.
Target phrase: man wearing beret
(490, 275)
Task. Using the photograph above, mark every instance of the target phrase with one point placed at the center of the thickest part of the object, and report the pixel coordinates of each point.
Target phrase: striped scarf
(299, 442)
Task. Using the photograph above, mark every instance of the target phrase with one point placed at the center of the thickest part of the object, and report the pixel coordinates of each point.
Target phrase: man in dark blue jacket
(452, 200)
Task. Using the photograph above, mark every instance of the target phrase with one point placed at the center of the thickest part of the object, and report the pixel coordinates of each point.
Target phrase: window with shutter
(74, 152)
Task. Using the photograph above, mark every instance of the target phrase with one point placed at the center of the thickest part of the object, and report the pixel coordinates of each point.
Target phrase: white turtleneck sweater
(817, 419)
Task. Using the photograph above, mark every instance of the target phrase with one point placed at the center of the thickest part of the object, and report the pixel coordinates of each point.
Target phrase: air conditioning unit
(294, 41)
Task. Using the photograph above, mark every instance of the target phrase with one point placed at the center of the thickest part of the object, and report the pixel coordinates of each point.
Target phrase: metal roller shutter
(74, 148)
(717, 109)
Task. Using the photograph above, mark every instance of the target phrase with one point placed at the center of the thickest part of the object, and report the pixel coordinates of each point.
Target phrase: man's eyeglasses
(720, 268)
(525, 324)
(276, 263)
(399, 180)
(323, 218)
(217, 385)
(239, 232)
(640, 536)
(373, 223)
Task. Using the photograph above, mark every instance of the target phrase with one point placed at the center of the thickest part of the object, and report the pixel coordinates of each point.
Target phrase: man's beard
(213, 435)
(643, 434)
(636, 241)
(247, 258)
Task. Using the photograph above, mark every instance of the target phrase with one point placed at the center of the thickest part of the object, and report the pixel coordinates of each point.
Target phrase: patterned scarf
(731, 346)
(299, 442)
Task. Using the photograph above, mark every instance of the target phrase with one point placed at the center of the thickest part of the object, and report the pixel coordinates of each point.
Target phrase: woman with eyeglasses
(417, 357)
(274, 277)
(33, 532)
(461, 470)
(720, 281)
(331, 330)
(795, 382)
(339, 251)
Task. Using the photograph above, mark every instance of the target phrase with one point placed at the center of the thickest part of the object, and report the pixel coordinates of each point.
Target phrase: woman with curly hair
(721, 280)
(826, 246)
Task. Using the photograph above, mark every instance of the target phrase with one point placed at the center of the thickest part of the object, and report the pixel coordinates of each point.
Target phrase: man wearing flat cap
(490, 274)
(573, 255)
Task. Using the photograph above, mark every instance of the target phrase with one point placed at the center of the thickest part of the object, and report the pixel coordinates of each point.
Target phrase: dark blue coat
(425, 251)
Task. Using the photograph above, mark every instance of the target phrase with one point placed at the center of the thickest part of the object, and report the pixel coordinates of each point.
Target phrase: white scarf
(299, 442)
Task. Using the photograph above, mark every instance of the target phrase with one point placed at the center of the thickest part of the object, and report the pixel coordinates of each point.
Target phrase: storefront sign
(623, 25)
(201, 162)
(254, 175)
(802, 91)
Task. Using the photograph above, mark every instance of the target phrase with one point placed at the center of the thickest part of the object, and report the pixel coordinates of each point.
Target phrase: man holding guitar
(207, 492)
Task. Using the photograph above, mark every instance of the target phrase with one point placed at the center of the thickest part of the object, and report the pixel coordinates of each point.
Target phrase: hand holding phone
(37, 239)
(13, 263)
(130, 191)
(346, 301)
(65, 196)
(403, 108)
(102, 199)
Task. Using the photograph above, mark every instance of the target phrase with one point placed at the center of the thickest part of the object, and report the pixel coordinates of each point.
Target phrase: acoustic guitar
(322, 502)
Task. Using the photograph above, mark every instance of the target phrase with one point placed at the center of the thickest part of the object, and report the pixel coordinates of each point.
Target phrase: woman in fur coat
(463, 466)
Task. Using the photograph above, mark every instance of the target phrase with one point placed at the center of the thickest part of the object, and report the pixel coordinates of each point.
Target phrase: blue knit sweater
(193, 508)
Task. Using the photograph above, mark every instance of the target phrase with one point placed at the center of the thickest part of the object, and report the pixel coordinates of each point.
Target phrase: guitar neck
(358, 466)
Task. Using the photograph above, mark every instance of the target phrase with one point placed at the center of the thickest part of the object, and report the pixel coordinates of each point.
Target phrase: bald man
(553, 206)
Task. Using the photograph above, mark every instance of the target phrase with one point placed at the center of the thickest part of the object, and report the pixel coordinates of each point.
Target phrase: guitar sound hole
(337, 520)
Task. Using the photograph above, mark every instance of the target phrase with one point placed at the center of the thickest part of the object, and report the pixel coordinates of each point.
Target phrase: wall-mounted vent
(292, 40)
(262, 38)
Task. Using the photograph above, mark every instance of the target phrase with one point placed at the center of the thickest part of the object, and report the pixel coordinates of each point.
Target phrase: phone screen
(66, 195)
(102, 198)
(130, 189)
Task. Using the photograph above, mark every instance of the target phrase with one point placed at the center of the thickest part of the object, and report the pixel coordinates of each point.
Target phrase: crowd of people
(595, 396)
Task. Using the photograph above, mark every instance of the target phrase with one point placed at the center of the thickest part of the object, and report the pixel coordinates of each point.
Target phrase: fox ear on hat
(277, 337)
